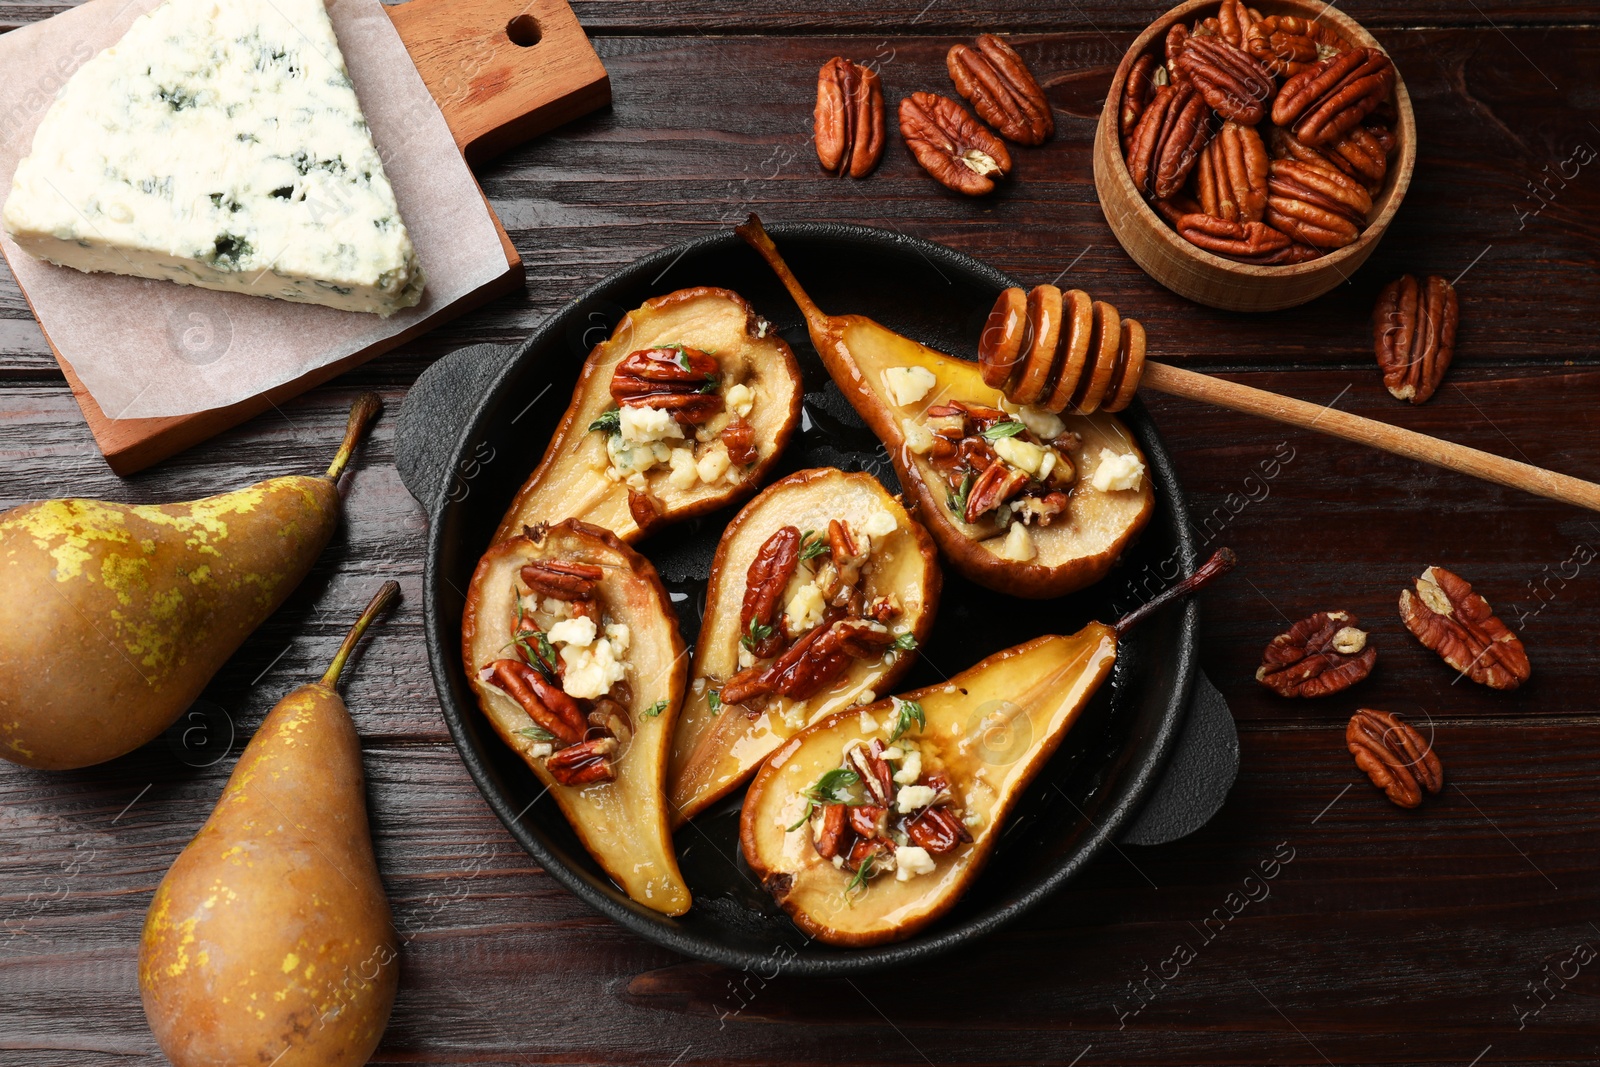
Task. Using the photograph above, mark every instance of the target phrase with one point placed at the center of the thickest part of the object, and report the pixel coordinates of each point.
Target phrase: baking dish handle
(434, 416)
(1202, 769)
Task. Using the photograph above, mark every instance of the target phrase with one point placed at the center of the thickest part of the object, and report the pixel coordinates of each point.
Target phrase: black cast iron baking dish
(1149, 762)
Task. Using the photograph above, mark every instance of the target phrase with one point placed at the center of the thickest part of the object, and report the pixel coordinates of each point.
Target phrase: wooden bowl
(1200, 275)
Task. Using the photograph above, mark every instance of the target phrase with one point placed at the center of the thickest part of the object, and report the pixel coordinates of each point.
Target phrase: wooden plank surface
(1389, 937)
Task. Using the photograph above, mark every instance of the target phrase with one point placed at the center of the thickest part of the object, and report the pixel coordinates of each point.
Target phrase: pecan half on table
(848, 119)
(1327, 100)
(1166, 144)
(1414, 335)
(1397, 758)
(951, 145)
(999, 86)
(1236, 85)
(1322, 654)
(1447, 616)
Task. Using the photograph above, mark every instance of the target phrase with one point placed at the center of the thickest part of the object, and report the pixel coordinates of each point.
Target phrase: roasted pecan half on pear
(1414, 335)
(1167, 143)
(1329, 99)
(1447, 616)
(999, 86)
(848, 118)
(951, 145)
(1321, 654)
(1398, 759)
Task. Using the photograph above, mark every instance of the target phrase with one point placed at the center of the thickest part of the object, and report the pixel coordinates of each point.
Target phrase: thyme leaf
(812, 545)
(754, 634)
(827, 790)
(609, 422)
(1003, 429)
(909, 712)
(956, 499)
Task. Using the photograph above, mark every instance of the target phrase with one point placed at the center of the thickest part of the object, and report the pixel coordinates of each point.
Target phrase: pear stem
(755, 235)
(362, 413)
(381, 600)
(1220, 563)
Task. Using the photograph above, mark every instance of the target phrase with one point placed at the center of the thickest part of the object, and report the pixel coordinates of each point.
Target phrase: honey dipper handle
(1176, 381)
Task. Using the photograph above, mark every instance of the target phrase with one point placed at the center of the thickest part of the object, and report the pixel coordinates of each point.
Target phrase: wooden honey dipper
(1062, 351)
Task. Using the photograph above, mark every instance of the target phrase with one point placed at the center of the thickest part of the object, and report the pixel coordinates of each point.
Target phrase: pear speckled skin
(113, 617)
(270, 940)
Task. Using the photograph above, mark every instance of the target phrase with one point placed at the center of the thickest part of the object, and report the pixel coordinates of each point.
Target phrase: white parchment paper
(148, 348)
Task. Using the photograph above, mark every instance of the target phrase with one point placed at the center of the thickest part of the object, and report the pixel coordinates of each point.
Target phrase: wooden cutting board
(502, 71)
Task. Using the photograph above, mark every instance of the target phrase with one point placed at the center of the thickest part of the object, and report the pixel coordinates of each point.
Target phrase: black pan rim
(1138, 782)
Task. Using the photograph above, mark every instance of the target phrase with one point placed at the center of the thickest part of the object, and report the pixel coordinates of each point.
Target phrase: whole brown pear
(270, 939)
(114, 617)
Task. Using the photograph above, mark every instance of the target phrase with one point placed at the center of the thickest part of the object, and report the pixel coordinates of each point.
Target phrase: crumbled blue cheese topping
(219, 144)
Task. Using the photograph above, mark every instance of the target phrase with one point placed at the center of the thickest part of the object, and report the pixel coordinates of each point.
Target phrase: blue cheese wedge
(219, 144)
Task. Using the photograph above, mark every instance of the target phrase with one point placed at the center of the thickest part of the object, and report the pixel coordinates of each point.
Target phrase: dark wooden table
(1452, 935)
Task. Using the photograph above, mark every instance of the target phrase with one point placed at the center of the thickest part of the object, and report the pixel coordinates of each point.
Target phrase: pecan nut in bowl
(1235, 85)
(1363, 153)
(1232, 175)
(1317, 206)
(1397, 758)
(1321, 654)
(1136, 93)
(1288, 44)
(1245, 242)
(1325, 101)
(1447, 616)
(1414, 335)
(1176, 207)
(1232, 22)
(951, 145)
(999, 86)
(1168, 141)
(848, 119)
(1173, 44)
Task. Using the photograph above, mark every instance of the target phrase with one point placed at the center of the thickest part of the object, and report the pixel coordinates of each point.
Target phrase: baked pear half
(869, 824)
(572, 647)
(683, 409)
(820, 592)
(1020, 500)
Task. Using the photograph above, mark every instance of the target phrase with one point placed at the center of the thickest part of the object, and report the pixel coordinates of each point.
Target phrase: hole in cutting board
(524, 31)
